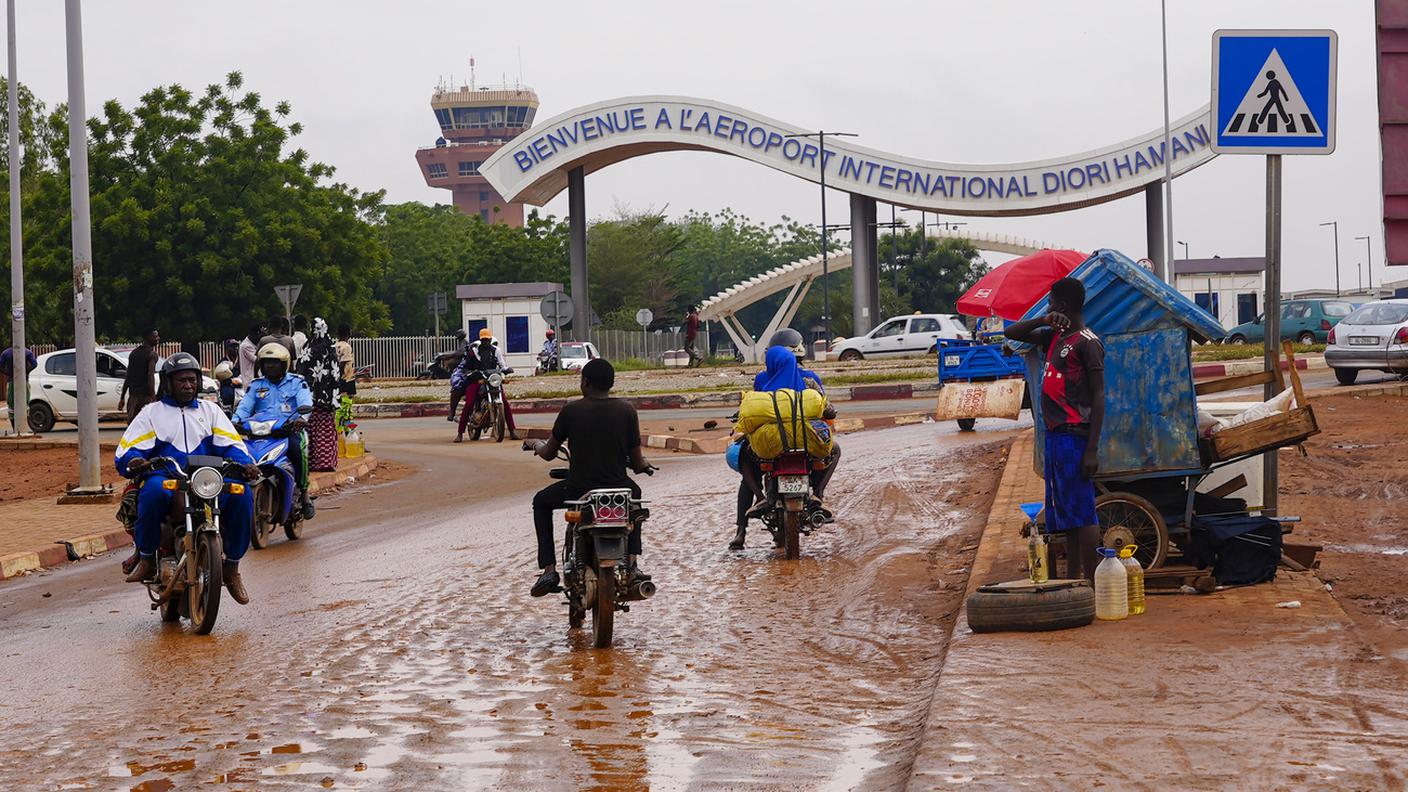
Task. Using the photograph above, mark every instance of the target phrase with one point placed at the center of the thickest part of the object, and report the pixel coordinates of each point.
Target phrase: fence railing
(622, 344)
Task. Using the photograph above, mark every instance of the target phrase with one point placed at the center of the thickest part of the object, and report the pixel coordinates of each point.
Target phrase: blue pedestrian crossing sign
(1273, 91)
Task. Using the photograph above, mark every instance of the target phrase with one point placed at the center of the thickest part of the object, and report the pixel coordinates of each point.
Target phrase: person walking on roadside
(300, 335)
(1073, 410)
(7, 373)
(320, 369)
(249, 351)
(346, 358)
(691, 337)
(141, 374)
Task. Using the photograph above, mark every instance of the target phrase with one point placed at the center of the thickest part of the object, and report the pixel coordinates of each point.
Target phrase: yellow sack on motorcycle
(785, 419)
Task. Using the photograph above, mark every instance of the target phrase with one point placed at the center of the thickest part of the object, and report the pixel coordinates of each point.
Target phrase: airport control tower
(474, 123)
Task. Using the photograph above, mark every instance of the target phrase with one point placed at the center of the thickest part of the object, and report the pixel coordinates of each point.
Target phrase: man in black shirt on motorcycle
(603, 435)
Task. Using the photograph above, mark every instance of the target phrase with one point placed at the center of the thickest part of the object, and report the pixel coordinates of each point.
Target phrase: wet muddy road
(396, 645)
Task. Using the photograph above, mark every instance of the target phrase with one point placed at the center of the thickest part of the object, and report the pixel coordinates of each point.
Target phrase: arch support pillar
(577, 252)
(865, 266)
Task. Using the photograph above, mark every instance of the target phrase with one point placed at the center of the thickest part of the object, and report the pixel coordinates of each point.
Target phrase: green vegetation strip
(1248, 351)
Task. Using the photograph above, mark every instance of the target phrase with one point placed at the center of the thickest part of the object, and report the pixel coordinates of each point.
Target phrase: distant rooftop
(1237, 265)
(469, 96)
(504, 291)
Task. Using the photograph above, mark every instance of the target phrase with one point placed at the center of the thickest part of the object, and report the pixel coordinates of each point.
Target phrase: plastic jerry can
(1111, 587)
(1135, 578)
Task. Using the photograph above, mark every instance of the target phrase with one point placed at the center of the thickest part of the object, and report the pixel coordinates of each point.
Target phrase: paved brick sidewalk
(33, 532)
(1223, 691)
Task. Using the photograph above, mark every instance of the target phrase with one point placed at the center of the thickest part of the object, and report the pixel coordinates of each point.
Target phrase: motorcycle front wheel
(792, 534)
(498, 422)
(604, 609)
(204, 602)
(263, 516)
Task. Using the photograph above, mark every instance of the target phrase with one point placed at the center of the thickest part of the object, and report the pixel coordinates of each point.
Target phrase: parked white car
(53, 388)
(918, 334)
(575, 354)
(1373, 337)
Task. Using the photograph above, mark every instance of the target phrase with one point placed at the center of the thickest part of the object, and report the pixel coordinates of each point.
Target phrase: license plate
(951, 361)
(792, 485)
(1363, 340)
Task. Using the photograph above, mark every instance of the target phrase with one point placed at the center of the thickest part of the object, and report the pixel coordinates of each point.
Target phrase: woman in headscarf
(320, 367)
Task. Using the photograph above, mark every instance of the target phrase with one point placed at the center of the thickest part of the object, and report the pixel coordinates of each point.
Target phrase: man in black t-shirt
(141, 373)
(603, 435)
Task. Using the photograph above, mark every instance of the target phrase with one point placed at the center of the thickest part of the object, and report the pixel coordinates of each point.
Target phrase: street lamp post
(1335, 224)
(19, 417)
(86, 358)
(1185, 249)
(820, 136)
(1368, 259)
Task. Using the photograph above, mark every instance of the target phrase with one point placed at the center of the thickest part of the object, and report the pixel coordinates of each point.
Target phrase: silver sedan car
(1374, 337)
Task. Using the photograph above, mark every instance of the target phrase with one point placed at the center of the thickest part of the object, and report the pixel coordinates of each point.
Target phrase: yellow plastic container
(1037, 557)
(1111, 588)
(1134, 577)
(354, 445)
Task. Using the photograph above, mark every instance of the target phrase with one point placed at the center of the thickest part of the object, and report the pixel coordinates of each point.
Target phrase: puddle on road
(299, 768)
(134, 768)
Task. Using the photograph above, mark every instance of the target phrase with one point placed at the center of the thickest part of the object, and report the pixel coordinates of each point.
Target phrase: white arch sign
(533, 167)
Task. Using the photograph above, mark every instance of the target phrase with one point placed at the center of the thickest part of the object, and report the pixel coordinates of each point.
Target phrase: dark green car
(1302, 321)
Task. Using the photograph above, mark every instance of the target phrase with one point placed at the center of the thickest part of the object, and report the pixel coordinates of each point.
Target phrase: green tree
(200, 207)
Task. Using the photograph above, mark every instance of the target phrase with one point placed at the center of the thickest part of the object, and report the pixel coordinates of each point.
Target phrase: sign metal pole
(1271, 354)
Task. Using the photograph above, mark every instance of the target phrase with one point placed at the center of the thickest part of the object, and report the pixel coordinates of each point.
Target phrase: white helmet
(224, 371)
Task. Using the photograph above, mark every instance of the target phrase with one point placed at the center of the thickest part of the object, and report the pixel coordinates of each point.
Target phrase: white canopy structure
(797, 278)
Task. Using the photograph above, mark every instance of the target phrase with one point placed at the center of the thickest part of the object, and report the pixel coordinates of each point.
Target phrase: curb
(95, 544)
(663, 401)
(1237, 368)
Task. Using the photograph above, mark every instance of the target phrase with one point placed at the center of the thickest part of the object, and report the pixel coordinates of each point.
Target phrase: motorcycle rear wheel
(604, 609)
(792, 534)
(497, 416)
(263, 517)
(293, 529)
(204, 596)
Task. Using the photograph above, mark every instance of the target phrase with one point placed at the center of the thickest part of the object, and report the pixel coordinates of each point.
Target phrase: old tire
(604, 608)
(1345, 376)
(1037, 610)
(967, 424)
(850, 355)
(41, 417)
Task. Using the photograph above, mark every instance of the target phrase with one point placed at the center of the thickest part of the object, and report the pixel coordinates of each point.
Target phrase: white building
(1231, 289)
(511, 312)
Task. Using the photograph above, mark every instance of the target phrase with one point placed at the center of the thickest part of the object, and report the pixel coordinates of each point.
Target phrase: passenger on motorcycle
(277, 392)
(176, 426)
(482, 357)
(603, 435)
(458, 379)
(784, 356)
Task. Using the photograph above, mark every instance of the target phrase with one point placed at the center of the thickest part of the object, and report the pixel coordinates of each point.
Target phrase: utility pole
(1167, 266)
(19, 417)
(86, 363)
(820, 136)
(1335, 224)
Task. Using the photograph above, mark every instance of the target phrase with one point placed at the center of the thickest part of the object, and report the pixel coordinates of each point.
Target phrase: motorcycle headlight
(496, 379)
(260, 428)
(206, 483)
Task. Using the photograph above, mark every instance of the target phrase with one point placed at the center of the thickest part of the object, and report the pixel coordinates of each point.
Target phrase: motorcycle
(276, 490)
(441, 367)
(791, 511)
(547, 361)
(595, 574)
(190, 556)
(488, 412)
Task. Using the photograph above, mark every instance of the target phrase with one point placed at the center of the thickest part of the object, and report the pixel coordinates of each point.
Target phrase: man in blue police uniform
(176, 426)
(278, 393)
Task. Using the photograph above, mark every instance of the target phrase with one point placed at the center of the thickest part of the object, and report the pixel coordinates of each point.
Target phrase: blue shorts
(1070, 496)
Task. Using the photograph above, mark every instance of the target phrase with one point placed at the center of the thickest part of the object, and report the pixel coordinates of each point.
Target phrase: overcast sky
(990, 82)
